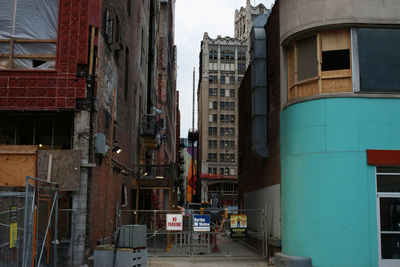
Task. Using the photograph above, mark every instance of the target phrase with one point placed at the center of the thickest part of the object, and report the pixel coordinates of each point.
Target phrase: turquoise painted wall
(328, 190)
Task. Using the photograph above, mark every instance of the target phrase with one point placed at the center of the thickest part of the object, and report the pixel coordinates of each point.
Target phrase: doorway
(388, 211)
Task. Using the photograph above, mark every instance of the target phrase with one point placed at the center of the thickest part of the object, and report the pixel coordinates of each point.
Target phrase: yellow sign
(13, 226)
(13, 234)
(239, 221)
(238, 226)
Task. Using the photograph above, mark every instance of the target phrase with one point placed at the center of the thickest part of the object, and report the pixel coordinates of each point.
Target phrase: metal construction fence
(47, 237)
(12, 206)
(209, 232)
(41, 220)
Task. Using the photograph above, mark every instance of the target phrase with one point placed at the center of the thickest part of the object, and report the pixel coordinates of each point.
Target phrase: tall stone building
(223, 62)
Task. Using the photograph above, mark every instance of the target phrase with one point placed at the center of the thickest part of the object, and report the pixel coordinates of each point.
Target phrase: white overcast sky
(192, 19)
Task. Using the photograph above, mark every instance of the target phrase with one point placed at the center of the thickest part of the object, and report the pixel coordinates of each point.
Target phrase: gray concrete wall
(299, 15)
(81, 142)
(269, 199)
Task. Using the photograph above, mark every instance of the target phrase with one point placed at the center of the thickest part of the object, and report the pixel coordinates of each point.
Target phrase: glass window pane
(390, 246)
(390, 213)
(379, 59)
(388, 183)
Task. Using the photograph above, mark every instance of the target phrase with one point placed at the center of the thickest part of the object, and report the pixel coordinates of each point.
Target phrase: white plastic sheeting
(28, 19)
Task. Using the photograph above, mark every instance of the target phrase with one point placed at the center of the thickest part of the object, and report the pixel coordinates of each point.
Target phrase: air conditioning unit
(132, 236)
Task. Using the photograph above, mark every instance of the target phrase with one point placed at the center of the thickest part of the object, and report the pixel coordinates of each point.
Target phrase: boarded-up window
(335, 47)
(307, 58)
(28, 33)
(379, 59)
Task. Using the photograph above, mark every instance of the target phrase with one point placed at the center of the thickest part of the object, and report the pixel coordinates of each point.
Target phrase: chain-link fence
(216, 232)
(12, 205)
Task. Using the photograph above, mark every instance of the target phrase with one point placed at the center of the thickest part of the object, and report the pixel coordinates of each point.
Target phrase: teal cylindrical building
(328, 190)
(340, 132)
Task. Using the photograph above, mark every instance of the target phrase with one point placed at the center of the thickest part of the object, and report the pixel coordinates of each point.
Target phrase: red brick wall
(54, 89)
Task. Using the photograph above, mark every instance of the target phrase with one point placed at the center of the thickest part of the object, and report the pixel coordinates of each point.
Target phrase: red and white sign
(174, 222)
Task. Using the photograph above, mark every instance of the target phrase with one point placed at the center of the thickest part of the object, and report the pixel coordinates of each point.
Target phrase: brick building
(81, 77)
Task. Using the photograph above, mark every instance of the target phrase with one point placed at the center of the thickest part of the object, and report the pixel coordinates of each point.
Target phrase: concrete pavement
(206, 262)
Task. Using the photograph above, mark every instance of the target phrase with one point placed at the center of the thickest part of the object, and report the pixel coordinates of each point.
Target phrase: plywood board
(335, 40)
(65, 168)
(308, 89)
(337, 85)
(15, 168)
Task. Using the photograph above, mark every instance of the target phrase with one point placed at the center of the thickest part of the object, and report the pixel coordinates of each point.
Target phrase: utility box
(123, 257)
(283, 260)
(132, 236)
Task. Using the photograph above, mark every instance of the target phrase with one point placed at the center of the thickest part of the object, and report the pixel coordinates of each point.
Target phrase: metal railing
(217, 241)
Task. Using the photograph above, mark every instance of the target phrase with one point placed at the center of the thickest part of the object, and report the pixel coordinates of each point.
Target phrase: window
(124, 195)
(221, 171)
(214, 118)
(232, 105)
(214, 156)
(212, 79)
(210, 130)
(126, 85)
(222, 92)
(388, 203)
(209, 170)
(215, 105)
(222, 105)
(241, 67)
(319, 64)
(214, 170)
(226, 118)
(222, 79)
(232, 79)
(379, 60)
(128, 7)
(222, 118)
(52, 130)
(209, 143)
(222, 131)
(210, 118)
(335, 60)
(108, 28)
(226, 171)
(240, 78)
(232, 131)
(232, 55)
(222, 55)
(142, 48)
(232, 117)
(214, 130)
(212, 143)
(209, 156)
(307, 58)
(213, 55)
(232, 92)
(28, 34)
(212, 92)
(222, 157)
(231, 144)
